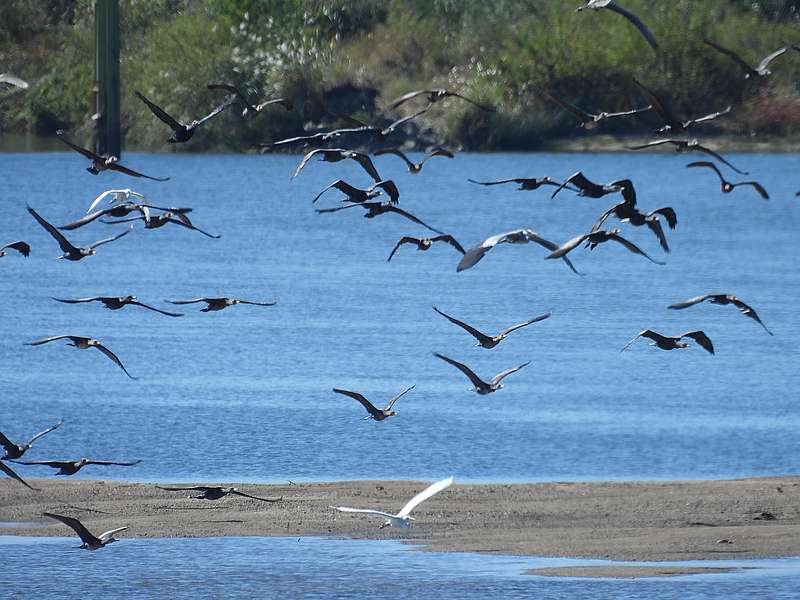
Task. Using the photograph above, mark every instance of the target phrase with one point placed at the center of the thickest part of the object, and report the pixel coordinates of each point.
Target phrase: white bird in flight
(403, 518)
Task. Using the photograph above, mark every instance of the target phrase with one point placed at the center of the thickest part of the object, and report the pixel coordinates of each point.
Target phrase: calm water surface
(320, 568)
(245, 394)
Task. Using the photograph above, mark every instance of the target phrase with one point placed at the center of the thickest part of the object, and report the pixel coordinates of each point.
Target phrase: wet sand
(634, 521)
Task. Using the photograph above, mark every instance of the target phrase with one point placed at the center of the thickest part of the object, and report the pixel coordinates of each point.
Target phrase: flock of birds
(120, 203)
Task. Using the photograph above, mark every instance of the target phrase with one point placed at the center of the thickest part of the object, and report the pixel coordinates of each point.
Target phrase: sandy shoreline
(638, 521)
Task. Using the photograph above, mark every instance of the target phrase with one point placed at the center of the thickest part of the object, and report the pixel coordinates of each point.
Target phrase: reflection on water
(314, 567)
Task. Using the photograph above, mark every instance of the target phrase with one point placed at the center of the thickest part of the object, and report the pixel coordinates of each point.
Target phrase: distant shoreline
(618, 520)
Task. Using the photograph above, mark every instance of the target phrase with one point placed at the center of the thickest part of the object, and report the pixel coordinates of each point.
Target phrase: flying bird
(126, 195)
(338, 154)
(70, 251)
(375, 209)
(70, 467)
(517, 236)
(13, 80)
(588, 188)
(613, 6)
(671, 121)
(210, 492)
(481, 386)
(424, 244)
(20, 246)
(213, 304)
(10, 472)
(687, 146)
(760, 70)
(593, 238)
(117, 302)
(722, 299)
(490, 341)
(413, 167)
(182, 132)
(357, 195)
(156, 221)
(403, 518)
(250, 111)
(378, 414)
(82, 343)
(104, 163)
(726, 186)
(122, 209)
(374, 130)
(666, 342)
(435, 95)
(588, 120)
(90, 542)
(525, 183)
(14, 450)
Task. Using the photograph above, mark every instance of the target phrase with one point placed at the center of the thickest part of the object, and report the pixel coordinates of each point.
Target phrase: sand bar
(638, 521)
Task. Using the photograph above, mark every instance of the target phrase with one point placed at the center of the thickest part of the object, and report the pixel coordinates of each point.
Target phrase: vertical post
(107, 106)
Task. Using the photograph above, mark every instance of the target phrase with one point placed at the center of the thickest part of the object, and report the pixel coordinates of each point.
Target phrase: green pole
(107, 106)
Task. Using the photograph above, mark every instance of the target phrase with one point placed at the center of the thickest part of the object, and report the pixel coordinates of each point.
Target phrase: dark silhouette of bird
(686, 146)
(627, 211)
(378, 132)
(358, 195)
(525, 183)
(10, 472)
(666, 342)
(413, 167)
(378, 414)
(722, 299)
(726, 186)
(671, 120)
(482, 387)
(104, 163)
(20, 246)
(337, 154)
(593, 238)
(588, 120)
(613, 6)
(517, 236)
(156, 221)
(588, 188)
(182, 132)
(83, 343)
(490, 341)
(435, 95)
(70, 467)
(312, 139)
(424, 244)
(214, 304)
(122, 209)
(117, 302)
(13, 80)
(375, 209)
(760, 70)
(250, 110)
(90, 542)
(14, 450)
(70, 251)
(210, 492)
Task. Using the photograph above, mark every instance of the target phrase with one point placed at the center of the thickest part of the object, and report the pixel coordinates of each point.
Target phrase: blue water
(245, 394)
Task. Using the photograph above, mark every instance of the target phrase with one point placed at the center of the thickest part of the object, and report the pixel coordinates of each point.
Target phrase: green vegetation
(354, 56)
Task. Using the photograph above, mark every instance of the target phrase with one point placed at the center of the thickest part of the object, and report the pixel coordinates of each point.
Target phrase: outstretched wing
(10, 472)
(158, 310)
(389, 186)
(182, 222)
(576, 112)
(366, 162)
(406, 97)
(654, 225)
(396, 152)
(406, 119)
(87, 153)
(478, 104)
(567, 247)
(646, 333)
(199, 488)
(118, 362)
(270, 303)
(689, 302)
(710, 152)
(403, 240)
(308, 157)
(111, 462)
(86, 219)
(633, 248)
(711, 116)
(86, 536)
(42, 433)
(63, 242)
(193, 301)
(111, 239)
(107, 535)
(20, 246)
(342, 186)
(666, 115)
(731, 54)
(51, 339)
(757, 186)
(431, 490)
(701, 338)
(707, 164)
(637, 22)
(411, 217)
(7, 443)
(364, 402)
(476, 381)
(159, 112)
(525, 323)
(363, 510)
(450, 240)
(481, 337)
(391, 402)
(216, 111)
(114, 166)
(503, 374)
(669, 214)
(13, 80)
(499, 181)
(748, 311)
(769, 58)
(238, 493)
